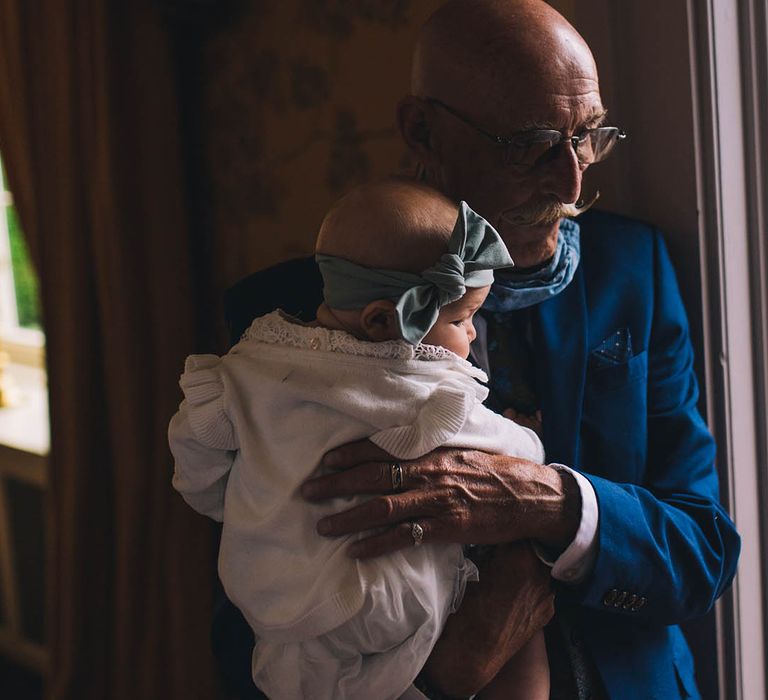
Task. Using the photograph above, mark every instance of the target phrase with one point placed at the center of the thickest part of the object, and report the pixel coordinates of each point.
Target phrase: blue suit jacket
(618, 395)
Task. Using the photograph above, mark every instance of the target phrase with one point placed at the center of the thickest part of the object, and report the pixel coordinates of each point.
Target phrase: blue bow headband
(475, 250)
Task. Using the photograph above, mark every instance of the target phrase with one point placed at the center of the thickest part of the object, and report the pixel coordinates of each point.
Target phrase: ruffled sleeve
(202, 438)
(441, 416)
(204, 391)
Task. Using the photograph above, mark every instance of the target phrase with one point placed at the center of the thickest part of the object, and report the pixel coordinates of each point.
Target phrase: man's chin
(512, 228)
(528, 245)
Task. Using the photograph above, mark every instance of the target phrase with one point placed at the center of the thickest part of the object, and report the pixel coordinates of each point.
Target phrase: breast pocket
(614, 424)
(604, 377)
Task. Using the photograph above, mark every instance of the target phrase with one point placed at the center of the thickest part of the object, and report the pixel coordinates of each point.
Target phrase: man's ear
(378, 320)
(415, 119)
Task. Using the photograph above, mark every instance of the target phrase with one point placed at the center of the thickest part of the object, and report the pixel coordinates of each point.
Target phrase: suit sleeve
(666, 547)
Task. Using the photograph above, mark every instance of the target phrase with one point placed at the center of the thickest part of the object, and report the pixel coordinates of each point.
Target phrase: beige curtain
(88, 133)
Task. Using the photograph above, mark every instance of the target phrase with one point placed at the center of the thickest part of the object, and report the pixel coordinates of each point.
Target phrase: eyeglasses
(536, 146)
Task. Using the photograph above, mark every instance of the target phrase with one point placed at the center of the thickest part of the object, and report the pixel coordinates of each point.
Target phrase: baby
(403, 273)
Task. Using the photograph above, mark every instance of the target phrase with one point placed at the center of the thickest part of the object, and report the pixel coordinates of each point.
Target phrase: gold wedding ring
(396, 474)
(417, 532)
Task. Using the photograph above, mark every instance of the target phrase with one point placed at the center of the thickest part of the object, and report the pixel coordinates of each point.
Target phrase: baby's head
(373, 248)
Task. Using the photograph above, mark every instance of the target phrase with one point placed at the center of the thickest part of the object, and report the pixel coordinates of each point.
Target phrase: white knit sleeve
(202, 438)
(203, 387)
(440, 417)
(488, 431)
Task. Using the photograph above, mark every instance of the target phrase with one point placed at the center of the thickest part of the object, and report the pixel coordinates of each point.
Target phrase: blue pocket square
(614, 350)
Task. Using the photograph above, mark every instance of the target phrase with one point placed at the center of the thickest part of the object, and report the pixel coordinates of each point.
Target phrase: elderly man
(505, 112)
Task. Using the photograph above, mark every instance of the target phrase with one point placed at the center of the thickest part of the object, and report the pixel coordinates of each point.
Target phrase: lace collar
(278, 328)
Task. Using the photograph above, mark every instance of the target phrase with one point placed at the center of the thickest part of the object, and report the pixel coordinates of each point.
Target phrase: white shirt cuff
(573, 565)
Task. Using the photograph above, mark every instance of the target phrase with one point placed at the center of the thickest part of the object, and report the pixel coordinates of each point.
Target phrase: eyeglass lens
(591, 146)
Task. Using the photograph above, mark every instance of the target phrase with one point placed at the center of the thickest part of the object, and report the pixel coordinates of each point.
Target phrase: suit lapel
(559, 328)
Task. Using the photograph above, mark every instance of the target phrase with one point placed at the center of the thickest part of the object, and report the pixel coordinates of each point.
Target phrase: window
(21, 335)
(24, 444)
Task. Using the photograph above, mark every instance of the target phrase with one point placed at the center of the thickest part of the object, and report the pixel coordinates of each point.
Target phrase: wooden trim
(10, 592)
(31, 469)
(29, 654)
(27, 467)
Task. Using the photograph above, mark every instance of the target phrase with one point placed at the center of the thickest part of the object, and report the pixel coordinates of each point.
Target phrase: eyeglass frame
(510, 140)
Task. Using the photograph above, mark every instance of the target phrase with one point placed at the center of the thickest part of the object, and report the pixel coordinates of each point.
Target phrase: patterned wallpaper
(300, 106)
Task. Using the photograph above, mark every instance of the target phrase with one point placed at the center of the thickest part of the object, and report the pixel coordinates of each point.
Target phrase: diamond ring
(396, 474)
(417, 532)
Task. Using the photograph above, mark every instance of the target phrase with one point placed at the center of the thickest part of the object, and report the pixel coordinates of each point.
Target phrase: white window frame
(729, 58)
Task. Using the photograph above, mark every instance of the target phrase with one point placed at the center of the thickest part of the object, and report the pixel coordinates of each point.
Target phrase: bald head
(495, 51)
(396, 225)
(487, 68)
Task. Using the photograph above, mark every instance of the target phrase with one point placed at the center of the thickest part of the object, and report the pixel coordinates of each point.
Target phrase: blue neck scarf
(512, 292)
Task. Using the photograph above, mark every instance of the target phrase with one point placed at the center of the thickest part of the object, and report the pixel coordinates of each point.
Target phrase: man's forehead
(506, 93)
(539, 109)
(561, 118)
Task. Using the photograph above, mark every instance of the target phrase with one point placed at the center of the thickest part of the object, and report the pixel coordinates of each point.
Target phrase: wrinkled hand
(455, 495)
(499, 614)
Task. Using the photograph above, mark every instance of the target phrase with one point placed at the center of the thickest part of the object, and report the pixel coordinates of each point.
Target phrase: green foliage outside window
(24, 277)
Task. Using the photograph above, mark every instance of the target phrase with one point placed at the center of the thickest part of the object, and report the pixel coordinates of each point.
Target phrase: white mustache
(543, 213)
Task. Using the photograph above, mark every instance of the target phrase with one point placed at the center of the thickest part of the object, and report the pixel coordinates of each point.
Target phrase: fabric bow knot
(447, 275)
(475, 250)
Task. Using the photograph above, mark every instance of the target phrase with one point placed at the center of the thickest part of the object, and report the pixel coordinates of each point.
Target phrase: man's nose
(562, 175)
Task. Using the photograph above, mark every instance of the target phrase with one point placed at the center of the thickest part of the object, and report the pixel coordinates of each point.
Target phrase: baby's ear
(378, 320)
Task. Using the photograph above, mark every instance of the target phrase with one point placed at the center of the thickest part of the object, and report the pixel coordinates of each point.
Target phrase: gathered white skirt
(377, 653)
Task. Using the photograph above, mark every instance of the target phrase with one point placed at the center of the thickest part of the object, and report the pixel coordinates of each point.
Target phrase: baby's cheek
(463, 348)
